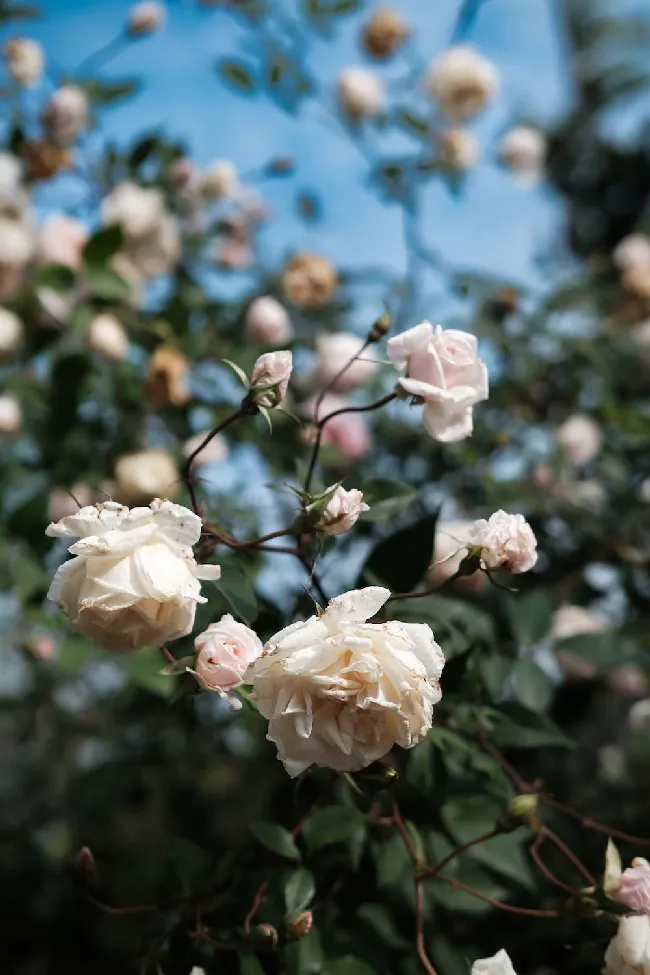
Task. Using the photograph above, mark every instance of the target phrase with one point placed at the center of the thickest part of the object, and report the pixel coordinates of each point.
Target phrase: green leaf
(277, 839)
(334, 824)
(305, 957)
(73, 655)
(603, 649)
(513, 726)
(145, 670)
(401, 560)
(250, 965)
(102, 246)
(530, 615)
(236, 588)
(387, 499)
(143, 149)
(20, 11)
(469, 816)
(109, 92)
(419, 768)
(392, 861)
(106, 284)
(58, 277)
(532, 686)
(349, 966)
(299, 891)
(237, 74)
(415, 124)
(494, 671)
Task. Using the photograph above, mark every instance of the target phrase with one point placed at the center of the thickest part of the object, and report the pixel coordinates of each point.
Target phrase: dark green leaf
(401, 560)
(143, 149)
(532, 686)
(349, 966)
(495, 670)
(416, 124)
(603, 649)
(334, 824)
(237, 74)
(58, 277)
(530, 615)
(420, 769)
(250, 965)
(109, 92)
(106, 284)
(513, 726)
(102, 246)
(19, 11)
(299, 891)
(305, 957)
(277, 839)
(386, 499)
(145, 670)
(235, 586)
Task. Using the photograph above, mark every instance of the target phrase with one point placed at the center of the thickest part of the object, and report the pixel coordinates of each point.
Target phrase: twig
(535, 854)
(570, 855)
(121, 911)
(404, 833)
(434, 871)
(419, 937)
(427, 592)
(255, 906)
(590, 823)
(526, 911)
(244, 410)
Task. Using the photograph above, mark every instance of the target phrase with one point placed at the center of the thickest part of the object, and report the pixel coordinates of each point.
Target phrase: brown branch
(590, 823)
(526, 911)
(535, 854)
(255, 906)
(404, 833)
(427, 592)
(419, 936)
(121, 911)
(246, 409)
(570, 855)
(434, 871)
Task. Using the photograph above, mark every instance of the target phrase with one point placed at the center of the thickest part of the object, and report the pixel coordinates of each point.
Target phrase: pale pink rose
(506, 542)
(272, 370)
(11, 414)
(333, 353)
(61, 240)
(145, 17)
(44, 648)
(347, 432)
(65, 114)
(220, 179)
(461, 81)
(267, 322)
(234, 255)
(523, 150)
(360, 93)
(24, 59)
(632, 251)
(633, 888)
(580, 438)
(443, 369)
(223, 653)
(183, 173)
(450, 548)
(342, 512)
(568, 621)
(629, 680)
(215, 452)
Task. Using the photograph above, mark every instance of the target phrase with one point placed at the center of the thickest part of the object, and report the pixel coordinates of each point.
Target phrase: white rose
(11, 171)
(360, 93)
(523, 150)
(136, 209)
(506, 542)
(342, 511)
(24, 59)
(219, 179)
(450, 548)
(224, 652)
(334, 352)
(65, 114)
(340, 692)
(61, 240)
(632, 251)
(638, 719)
(458, 150)
(271, 374)
(443, 369)
(11, 333)
(145, 17)
(157, 252)
(11, 415)
(134, 581)
(628, 953)
(462, 81)
(214, 452)
(106, 335)
(498, 964)
(580, 438)
(16, 242)
(146, 474)
(267, 322)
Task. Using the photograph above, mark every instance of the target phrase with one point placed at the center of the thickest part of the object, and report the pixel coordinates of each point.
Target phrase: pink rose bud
(270, 379)
(267, 322)
(342, 511)
(65, 114)
(84, 862)
(145, 17)
(580, 438)
(633, 888)
(300, 926)
(224, 652)
(61, 240)
(506, 542)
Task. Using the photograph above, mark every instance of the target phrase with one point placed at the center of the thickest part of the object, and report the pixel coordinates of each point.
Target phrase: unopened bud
(266, 934)
(282, 166)
(470, 564)
(521, 811)
(300, 926)
(380, 328)
(84, 863)
(376, 777)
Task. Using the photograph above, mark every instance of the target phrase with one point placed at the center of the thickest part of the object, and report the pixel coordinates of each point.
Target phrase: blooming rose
(628, 953)
(106, 335)
(65, 114)
(219, 179)
(270, 378)
(360, 93)
(24, 59)
(523, 150)
(498, 964)
(61, 240)
(134, 581)
(632, 251)
(342, 511)
(383, 34)
(309, 280)
(146, 474)
(461, 81)
(11, 333)
(11, 415)
(633, 887)
(450, 548)
(16, 242)
(443, 369)
(224, 652)
(145, 17)
(579, 437)
(267, 322)
(158, 251)
(167, 377)
(136, 209)
(458, 150)
(213, 453)
(334, 352)
(638, 718)
(340, 692)
(506, 542)
(348, 432)
(11, 172)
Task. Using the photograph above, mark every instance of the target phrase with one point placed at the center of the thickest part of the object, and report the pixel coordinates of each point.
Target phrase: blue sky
(494, 225)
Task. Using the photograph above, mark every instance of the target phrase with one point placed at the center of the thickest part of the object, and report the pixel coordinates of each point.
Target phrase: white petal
(400, 347)
(358, 605)
(207, 573)
(180, 525)
(417, 388)
(447, 424)
(114, 543)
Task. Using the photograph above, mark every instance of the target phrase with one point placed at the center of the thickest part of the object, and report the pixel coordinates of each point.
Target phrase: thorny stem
(244, 410)
(419, 936)
(434, 871)
(332, 383)
(320, 426)
(570, 855)
(427, 592)
(535, 854)
(590, 823)
(510, 908)
(121, 911)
